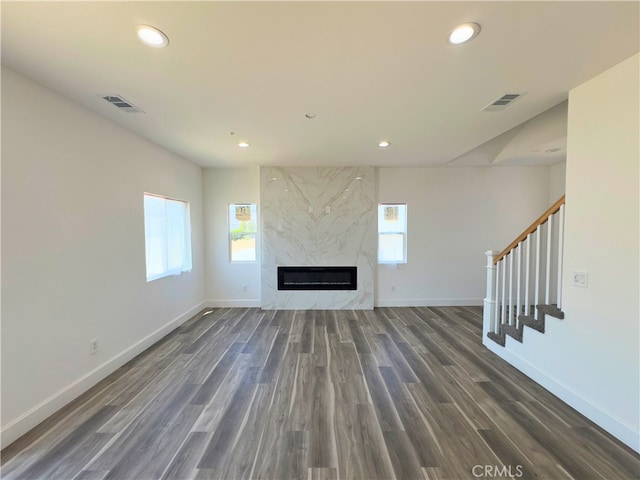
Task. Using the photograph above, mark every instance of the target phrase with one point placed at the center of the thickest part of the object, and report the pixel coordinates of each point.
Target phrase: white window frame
(230, 212)
(402, 223)
(161, 247)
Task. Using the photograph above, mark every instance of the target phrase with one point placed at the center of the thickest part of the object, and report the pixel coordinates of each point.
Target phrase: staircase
(524, 281)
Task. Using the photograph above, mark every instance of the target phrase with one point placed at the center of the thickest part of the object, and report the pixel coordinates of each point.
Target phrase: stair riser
(517, 333)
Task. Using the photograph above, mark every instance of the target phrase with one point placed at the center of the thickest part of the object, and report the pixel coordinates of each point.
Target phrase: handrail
(532, 228)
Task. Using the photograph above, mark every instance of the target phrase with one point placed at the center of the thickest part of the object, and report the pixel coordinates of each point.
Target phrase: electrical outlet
(93, 346)
(327, 209)
(393, 288)
(245, 288)
(580, 279)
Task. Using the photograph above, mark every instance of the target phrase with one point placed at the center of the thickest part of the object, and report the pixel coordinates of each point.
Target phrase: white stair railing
(514, 291)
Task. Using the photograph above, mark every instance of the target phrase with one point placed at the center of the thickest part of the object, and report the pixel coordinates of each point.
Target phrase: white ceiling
(370, 71)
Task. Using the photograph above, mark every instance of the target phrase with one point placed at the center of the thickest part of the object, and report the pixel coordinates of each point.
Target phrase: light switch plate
(580, 279)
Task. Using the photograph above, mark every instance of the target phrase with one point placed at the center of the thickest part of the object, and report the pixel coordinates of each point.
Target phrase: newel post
(488, 317)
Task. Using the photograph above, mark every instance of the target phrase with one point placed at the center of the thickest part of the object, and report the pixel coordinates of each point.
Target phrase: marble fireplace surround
(318, 216)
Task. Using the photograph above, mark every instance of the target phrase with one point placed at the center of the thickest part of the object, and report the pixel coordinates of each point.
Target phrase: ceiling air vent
(503, 102)
(121, 103)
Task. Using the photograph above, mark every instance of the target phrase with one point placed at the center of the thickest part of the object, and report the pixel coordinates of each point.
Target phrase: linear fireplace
(317, 278)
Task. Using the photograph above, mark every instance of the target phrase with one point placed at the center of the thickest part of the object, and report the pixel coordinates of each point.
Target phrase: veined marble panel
(318, 216)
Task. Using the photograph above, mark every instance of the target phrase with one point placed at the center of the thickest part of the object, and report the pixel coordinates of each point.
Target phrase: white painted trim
(34, 416)
(234, 303)
(419, 302)
(610, 423)
(429, 302)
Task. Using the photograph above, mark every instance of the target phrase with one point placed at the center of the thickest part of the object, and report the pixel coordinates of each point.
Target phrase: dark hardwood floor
(393, 393)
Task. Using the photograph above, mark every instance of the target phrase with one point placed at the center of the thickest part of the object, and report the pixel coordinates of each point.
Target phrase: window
(167, 236)
(392, 233)
(243, 230)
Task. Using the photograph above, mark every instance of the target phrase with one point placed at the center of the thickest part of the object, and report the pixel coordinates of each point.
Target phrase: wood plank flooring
(393, 393)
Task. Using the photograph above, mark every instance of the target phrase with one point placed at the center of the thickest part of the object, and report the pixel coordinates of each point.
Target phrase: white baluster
(496, 322)
(527, 269)
(536, 297)
(518, 284)
(511, 288)
(560, 253)
(504, 290)
(547, 289)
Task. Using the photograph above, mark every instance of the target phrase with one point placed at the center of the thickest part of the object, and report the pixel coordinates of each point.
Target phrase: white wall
(73, 250)
(557, 181)
(454, 215)
(225, 280)
(591, 358)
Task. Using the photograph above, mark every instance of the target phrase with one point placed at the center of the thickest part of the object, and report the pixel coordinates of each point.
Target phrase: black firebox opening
(317, 278)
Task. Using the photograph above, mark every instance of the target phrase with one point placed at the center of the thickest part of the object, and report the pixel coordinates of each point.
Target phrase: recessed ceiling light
(152, 37)
(384, 144)
(244, 145)
(463, 33)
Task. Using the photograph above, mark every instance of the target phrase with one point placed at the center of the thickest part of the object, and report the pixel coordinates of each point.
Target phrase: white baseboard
(429, 302)
(412, 302)
(28, 420)
(234, 303)
(605, 420)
